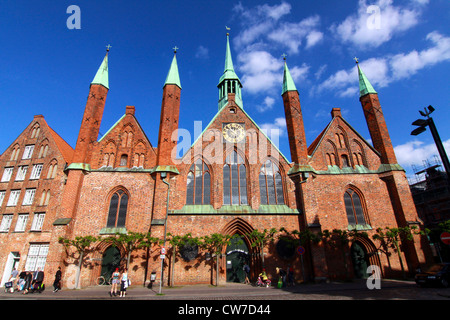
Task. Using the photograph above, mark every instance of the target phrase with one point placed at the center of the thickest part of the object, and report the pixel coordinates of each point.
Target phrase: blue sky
(403, 47)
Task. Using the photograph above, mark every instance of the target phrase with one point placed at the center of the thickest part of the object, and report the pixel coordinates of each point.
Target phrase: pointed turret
(170, 110)
(364, 85)
(173, 76)
(229, 81)
(294, 121)
(93, 114)
(375, 119)
(101, 76)
(288, 83)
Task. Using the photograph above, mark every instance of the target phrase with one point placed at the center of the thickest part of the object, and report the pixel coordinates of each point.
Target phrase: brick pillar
(170, 111)
(377, 128)
(90, 125)
(295, 127)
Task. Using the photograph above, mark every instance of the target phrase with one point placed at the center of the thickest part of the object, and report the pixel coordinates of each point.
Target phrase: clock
(233, 132)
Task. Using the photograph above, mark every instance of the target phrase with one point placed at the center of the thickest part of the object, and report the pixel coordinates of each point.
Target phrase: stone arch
(371, 253)
(242, 228)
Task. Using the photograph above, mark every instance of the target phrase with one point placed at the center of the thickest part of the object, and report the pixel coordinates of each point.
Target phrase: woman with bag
(124, 283)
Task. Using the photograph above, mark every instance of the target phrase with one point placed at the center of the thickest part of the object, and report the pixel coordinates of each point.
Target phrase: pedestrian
(38, 278)
(13, 278)
(124, 282)
(21, 282)
(290, 277)
(28, 279)
(115, 282)
(57, 282)
(247, 272)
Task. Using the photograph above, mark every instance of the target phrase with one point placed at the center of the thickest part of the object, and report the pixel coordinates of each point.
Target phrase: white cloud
(267, 104)
(261, 71)
(275, 129)
(376, 23)
(264, 29)
(413, 153)
(202, 52)
(291, 35)
(405, 65)
(382, 71)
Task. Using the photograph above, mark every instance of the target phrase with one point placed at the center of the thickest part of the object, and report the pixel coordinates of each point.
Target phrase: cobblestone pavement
(357, 290)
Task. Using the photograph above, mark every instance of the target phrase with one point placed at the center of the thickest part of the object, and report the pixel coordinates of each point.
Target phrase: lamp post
(163, 177)
(422, 124)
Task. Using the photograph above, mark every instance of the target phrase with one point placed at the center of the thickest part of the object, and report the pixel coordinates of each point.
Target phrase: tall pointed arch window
(270, 184)
(117, 209)
(198, 189)
(234, 180)
(354, 208)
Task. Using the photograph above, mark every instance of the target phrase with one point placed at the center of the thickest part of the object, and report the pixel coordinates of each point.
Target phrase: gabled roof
(314, 146)
(245, 113)
(137, 122)
(66, 150)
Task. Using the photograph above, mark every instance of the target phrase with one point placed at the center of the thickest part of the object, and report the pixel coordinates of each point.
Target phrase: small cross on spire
(108, 47)
(284, 55)
(175, 49)
(356, 60)
(228, 29)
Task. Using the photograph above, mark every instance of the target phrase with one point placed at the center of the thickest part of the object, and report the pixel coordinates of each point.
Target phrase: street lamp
(422, 124)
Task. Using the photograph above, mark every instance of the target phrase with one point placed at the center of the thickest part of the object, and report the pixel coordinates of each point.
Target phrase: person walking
(247, 272)
(124, 283)
(115, 282)
(39, 279)
(28, 279)
(13, 278)
(57, 282)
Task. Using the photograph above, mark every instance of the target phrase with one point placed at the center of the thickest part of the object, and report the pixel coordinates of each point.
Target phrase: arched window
(234, 180)
(354, 208)
(270, 184)
(117, 210)
(198, 184)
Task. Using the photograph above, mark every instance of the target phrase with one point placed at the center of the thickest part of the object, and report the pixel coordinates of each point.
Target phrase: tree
(148, 242)
(179, 242)
(391, 237)
(341, 238)
(130, 241)
(83, 247)
(261, 239)
(214, 244)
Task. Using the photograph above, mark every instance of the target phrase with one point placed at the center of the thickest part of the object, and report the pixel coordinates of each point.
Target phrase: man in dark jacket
(38, 278)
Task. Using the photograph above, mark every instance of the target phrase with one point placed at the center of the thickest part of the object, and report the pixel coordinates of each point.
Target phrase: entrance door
(359, 259)
(111, 261)
(237, 255)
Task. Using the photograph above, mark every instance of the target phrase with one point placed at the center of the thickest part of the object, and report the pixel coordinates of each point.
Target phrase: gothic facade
(232, 180)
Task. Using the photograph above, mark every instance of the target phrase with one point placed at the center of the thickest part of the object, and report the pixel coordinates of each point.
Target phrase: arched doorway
(237, 256)
(110, 261)
(360, 260)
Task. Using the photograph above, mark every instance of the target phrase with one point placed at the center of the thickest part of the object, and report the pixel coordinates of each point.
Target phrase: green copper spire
(173, 76)
(229, 81)
(102, 74)
(288, 83)
(364, 85)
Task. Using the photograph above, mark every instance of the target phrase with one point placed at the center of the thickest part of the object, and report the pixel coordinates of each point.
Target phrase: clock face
(233, 132)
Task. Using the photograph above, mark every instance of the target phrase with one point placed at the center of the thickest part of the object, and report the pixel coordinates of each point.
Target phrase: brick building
(232, 180)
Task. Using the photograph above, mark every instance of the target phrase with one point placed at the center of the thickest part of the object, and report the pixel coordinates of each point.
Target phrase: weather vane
(228, 29)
